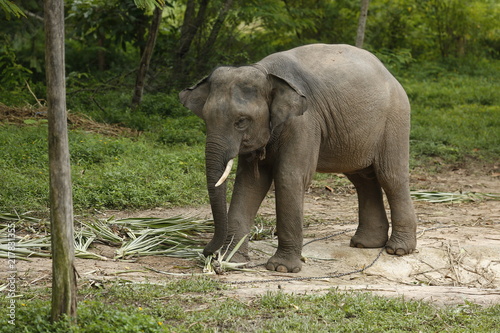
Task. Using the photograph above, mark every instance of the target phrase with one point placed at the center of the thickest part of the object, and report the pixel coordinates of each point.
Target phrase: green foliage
(450, 97)
(105, 38)
(150, 4)
(11, 8)
(397, 61)
(104, 29)
(434, 29)
(12, 74)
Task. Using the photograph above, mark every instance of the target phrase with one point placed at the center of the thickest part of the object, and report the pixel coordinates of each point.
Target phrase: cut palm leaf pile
(24, 247)
(175, 236)
(83, 239)
(437, 197)
(218, 263)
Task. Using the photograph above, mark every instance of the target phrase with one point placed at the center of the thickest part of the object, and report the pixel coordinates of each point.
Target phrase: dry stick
(453, 267)
(32, 93)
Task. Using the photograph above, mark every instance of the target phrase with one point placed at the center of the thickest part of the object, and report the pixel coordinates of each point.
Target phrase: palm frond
(438, 197)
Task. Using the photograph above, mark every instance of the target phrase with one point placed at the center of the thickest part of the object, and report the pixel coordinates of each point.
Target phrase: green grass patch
(107, 172)
(455, 117)
(199, 305)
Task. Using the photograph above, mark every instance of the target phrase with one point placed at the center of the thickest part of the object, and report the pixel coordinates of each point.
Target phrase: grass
(107, 172)
(200, 305)
(455, 117)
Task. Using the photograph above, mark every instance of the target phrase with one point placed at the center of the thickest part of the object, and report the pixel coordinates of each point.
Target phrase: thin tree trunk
(146, 57)
(61, 202)
(216, 29)
(191, 25)
(360, 36)
(101, 54)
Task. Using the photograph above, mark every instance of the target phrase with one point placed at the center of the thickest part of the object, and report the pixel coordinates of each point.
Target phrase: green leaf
(10, 8)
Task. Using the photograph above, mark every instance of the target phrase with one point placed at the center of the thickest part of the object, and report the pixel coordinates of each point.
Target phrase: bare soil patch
(457, 259)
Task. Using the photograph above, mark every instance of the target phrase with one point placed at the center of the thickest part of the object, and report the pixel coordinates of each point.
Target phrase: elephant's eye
(242, 123)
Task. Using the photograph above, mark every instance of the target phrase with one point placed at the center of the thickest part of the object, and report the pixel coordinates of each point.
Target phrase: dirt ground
(457, 257)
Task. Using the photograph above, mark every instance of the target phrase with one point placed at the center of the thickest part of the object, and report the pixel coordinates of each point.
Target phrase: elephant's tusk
(226, 173)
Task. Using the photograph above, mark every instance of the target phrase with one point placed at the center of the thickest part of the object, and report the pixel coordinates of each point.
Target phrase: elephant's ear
(194, 98)
(286, 101)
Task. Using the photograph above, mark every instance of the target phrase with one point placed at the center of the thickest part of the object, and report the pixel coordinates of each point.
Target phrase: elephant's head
(240, 106)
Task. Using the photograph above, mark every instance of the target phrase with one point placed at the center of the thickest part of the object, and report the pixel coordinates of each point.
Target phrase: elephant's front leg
(294, 168)
(251, 186)
(289, 216)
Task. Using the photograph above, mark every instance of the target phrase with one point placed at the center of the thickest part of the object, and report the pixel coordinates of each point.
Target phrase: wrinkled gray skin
(325, 108)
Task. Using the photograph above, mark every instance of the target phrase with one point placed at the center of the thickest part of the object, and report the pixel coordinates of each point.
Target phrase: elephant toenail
(389, 250)
(270, 267)
(360, 246)
(400, 252)
(296, 270)
(282, 269)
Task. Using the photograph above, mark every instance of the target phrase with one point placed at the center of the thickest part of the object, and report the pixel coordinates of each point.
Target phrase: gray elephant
(315, 108)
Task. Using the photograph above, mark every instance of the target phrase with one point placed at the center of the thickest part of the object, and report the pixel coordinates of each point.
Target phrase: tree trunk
(360, 36)
(191, 25)
(207, 48)
(146, 57)
(101, 54)
(61, 202)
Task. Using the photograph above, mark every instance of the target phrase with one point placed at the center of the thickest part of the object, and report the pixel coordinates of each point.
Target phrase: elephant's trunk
(216, 163)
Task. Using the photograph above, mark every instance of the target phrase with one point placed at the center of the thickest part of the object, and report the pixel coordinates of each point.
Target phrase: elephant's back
(317, 67)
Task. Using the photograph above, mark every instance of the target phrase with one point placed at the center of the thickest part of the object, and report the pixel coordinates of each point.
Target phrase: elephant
(315, 108)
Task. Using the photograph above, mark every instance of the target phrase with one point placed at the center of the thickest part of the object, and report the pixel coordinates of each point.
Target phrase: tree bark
(192, 22)
(146, 57)
(61, 202)
(191, 25)
(101, 53)
(360, 36)
(216, 29)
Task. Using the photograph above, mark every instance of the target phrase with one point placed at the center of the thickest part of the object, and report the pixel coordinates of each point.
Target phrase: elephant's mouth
(255, 155)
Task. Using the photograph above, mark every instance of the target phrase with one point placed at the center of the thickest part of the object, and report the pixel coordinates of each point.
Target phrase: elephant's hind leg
(396, 186)
(403, 238)
(373, 224)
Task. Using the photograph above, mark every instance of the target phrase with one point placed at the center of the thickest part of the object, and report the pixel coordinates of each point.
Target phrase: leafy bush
(188, 130)
(165, 105)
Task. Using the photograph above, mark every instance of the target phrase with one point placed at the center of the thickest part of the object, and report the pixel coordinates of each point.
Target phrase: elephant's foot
(401, 243)
(240, 257)
(284, 264)
(369, 239)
